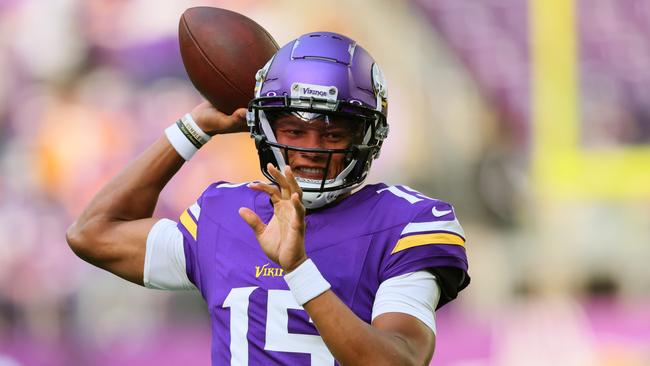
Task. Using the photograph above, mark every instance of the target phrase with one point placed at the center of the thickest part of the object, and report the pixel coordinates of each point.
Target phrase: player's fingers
(281, 179)
(252, 220)
(238, 120)
(208, 118)
(270, 189)
(230, 123)
(291, 179)
(300, 210)
(213, 121)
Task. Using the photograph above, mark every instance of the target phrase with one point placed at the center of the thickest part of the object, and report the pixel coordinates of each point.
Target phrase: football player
(311, 268)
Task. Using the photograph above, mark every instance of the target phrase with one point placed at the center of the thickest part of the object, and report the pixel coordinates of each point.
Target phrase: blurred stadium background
(532, 117)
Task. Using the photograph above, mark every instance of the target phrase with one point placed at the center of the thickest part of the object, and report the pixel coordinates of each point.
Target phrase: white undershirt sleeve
(164, 263)
(416, 293)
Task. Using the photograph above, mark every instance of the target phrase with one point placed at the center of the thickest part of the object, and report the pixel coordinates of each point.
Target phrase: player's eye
(293, 132)
(335, 135)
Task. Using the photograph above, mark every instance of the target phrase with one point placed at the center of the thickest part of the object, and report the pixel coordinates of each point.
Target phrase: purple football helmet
(321, 74)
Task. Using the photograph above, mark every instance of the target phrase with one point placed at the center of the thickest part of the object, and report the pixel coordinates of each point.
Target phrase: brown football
(222, 50)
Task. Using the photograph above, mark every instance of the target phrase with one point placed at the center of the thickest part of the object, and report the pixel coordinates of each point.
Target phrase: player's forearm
(355, 342)
(132, 194)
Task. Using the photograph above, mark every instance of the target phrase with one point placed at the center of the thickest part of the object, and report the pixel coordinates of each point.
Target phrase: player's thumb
(252, 220)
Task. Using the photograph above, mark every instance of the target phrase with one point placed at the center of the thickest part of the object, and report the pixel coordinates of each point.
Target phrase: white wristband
(186, 136)
(306, 282)
(194, 129)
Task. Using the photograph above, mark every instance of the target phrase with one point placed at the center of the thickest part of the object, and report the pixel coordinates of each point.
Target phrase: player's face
(319, 133)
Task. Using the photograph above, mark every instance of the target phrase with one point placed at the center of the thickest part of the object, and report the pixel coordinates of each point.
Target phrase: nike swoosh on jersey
(437, 213)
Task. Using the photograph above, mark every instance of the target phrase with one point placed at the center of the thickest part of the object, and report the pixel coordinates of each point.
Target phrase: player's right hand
(283, 238)
(214, 122)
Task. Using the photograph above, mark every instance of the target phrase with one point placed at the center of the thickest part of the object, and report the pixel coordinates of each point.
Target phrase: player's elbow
(75, 238)
(409, 351)
(389, 356)
(379, 359)
(83, 239)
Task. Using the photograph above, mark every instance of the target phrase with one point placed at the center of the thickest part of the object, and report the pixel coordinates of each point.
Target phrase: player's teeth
(311, 170)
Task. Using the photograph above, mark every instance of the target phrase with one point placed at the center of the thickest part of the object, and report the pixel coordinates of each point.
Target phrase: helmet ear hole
(266, 155)
(364, 159)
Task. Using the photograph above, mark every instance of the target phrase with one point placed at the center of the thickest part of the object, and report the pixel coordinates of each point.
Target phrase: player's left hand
(283, 238)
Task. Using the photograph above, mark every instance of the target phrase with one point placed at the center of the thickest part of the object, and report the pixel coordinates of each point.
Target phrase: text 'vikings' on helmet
(318, 75)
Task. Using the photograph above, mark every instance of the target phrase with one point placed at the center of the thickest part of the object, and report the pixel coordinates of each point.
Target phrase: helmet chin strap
(313, 200)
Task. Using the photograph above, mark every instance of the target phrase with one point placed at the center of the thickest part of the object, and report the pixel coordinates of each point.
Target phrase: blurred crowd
(86, 85)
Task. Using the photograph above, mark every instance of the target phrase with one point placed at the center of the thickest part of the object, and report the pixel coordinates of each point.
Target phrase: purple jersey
(375, 234)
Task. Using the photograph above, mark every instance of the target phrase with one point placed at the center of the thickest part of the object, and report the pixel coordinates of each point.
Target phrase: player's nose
(316, 140)
(313, 140)
(314, 156)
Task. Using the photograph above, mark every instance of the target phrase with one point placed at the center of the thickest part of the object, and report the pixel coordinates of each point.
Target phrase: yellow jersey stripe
(427, 239)
(189, 223)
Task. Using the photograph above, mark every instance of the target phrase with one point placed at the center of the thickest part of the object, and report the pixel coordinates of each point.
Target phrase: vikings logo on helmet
(328, 75)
